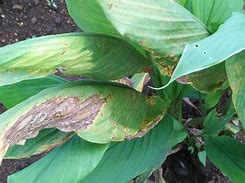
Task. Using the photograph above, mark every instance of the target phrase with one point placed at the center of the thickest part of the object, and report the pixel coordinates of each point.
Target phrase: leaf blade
(208, 80)
(79, 156)
(139, 155)
(11, 95)
(161, 27)
(90, 17)
(88, 55)
(44, 142)
(98, 112)
(235, 70)
(228, 155)
(211, 51)
(214, 124)
(213, 13)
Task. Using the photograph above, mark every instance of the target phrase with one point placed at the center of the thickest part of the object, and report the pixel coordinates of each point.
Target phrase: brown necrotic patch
(66, 114)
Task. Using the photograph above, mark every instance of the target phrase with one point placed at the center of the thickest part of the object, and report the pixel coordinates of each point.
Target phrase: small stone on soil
(17, 7)
(57, 20)
(36, 2)
(34, 20)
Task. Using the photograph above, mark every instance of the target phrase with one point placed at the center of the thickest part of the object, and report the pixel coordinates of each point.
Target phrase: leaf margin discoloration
(121, 102)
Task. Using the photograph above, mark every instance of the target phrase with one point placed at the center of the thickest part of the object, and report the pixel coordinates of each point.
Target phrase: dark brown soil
(184, 167)
(22, 19)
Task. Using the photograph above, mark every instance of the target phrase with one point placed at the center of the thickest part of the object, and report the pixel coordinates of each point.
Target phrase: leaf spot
(66, 114)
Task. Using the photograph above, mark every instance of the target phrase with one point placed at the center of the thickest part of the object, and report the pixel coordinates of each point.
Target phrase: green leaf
(212, 50)
(211, 99)
(228, 155)
(208, 80)
(66, 164)
(11, 95)
(99, 112)
(190, 92)
(182, 2)
(94, 56)
(202, 157)
(46, 140)
(213, 123)
(160, 27)
(90, 17)
(142, 178)
(235, 68)
(126, 160)
(139, 80)
(117, 165)
(213, 13)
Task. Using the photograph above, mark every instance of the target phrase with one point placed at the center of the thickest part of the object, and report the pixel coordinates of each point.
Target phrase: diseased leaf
(213, 50)
(126, 160)
(208, 80)
(46, 140)
(11, 95)
(235, 68)
(228, 155)
(99, 112)
(94, 56)
(160, 27)
(125, 81)
(170, 94)
(81, 157)
(66, 164)
(140, 80)
(90, 17)
(213, 13)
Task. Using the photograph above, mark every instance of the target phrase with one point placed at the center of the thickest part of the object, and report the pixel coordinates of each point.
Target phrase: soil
(23, 19)
(184, 167)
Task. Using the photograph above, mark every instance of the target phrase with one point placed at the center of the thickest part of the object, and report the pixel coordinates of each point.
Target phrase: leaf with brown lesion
(210, 79)
(66, 114)
(46, 140)
(235, 68)
(81, 54)
(165, 63)
(70, 114)
(87, 108)
(126, 81)
(162, 28)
